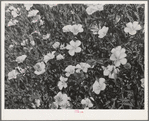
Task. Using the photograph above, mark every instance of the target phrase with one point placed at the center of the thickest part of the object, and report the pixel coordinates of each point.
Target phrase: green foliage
(124, 92)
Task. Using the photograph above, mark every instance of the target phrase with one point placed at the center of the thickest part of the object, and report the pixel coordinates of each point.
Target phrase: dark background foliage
(125, 92)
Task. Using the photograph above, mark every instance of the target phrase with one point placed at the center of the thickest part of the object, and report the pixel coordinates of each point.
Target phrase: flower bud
(56, 45)
(59, 57)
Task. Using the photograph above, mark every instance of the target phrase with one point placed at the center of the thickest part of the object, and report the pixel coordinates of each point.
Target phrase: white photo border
(51, 114)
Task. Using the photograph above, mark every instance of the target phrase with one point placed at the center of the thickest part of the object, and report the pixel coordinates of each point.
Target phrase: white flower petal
(78, 49)
(72, 43)
(101, 81)
(69, 47)
(112, 57)
(106, 72)
(71, 52)
(129, 25)
(123, 50)
(117, 63)
(103, 86)
(78, 43)
(126, 29)
(123, 55)
(133, 32)
(123, 61)
(138, 27)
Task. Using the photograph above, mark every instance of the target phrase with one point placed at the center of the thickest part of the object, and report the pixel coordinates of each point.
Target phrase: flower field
(74, 56)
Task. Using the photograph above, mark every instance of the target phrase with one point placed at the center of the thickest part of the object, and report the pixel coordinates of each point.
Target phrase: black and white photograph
(61, 56)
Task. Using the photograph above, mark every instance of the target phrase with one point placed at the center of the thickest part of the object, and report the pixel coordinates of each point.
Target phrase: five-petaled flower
(62, 83)
(28, 6)
(102, 32)
(39, 68)
(62, 100)
(87, 103)
(132, 28)
(110, 71)
(67, 28)
(118, 56)
(75, 29)
(82, 66)
(13, 74)
(74, 47)
(49, 56)
(70, 70)
(32, 13)
(21, 58)
(99, 85)
(93, 8)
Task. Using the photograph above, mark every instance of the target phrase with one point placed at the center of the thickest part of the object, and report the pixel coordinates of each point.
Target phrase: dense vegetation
(74, 56)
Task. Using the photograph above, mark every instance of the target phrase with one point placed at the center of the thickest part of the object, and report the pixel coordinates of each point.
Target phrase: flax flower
(102, 32)
(93, 8)
(39, 68)
(87, 103)
(110, 71)
(132, 28)
(118, 56)
(21, 58)
(74, 47)
(70, 70)
(62, 100)
(28, 6)
(49, 56)
(13, 74)
(99, 85)
(82, 66)
(56, 45)
(62, 83)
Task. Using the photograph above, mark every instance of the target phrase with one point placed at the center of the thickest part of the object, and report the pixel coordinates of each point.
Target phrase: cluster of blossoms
(79, 67)
(14, 12)
(13, 74)
(26, 42)
(100, 31)
(110, 71)
(34, 16)
(118, 55)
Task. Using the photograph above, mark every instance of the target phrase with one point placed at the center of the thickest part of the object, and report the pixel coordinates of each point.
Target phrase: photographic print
(74, 56)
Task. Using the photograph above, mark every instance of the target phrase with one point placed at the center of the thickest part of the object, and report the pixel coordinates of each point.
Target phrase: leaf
(128, 104)
(91, 62)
